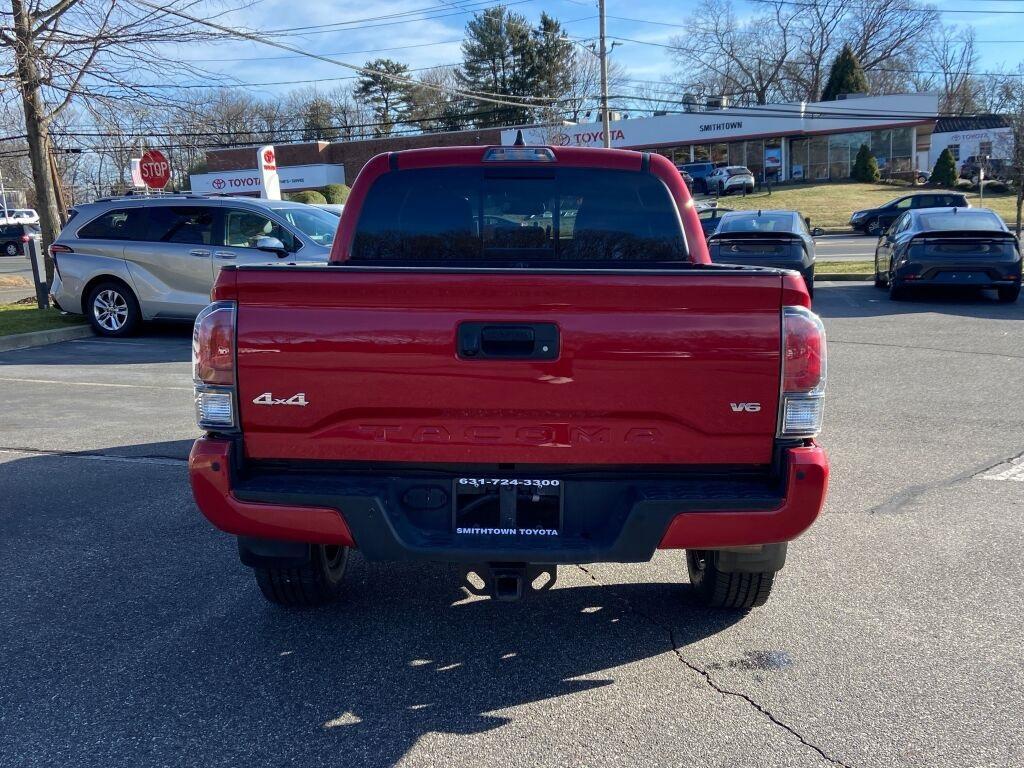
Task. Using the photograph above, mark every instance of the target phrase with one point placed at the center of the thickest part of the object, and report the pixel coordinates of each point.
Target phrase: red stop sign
(155, 169)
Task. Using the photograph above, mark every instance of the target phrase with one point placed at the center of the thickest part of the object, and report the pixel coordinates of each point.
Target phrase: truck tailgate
(673, 368)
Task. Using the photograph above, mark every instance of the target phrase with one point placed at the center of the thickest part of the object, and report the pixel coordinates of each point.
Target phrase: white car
(731, 178)
(21, 216)
(335, 208)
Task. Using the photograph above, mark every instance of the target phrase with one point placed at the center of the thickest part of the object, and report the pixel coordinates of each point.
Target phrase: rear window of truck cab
(516, 216)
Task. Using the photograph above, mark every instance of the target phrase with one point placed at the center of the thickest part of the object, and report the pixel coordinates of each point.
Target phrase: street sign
(154, 169)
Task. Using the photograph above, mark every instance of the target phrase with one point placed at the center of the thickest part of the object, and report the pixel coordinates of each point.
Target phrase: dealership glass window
(838, 157)
(985, 148)
(818, 162)
(902, 142)
(719, 153)
(755, 159)
(881, 148)
(701, 153)
(798, 160)
(955, 149)
(773, 159)
(736, 154)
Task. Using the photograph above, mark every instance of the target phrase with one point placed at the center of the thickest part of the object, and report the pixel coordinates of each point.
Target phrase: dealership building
(806, 141)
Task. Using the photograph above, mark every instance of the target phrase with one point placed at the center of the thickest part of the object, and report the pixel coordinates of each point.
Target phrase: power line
(481, 96)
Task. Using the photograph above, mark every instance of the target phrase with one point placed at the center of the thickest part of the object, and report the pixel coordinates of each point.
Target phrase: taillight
(57, 248)
(803, 373)
(25, 238)
(213, 366)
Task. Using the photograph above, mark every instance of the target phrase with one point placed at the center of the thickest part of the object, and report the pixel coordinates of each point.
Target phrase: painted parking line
(1012, 471)
(91, 384)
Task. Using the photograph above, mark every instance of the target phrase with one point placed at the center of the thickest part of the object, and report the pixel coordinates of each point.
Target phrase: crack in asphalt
(99, 456)
(900, 499)
(710, 680)
(929, 349)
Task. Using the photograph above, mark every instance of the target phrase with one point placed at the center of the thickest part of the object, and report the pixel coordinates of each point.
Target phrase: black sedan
(764, 239)
(873, 221)
(970, 248)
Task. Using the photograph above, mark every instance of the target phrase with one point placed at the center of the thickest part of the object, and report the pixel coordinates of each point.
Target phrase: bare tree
(65, 51)
(953, 55)
(720, 54)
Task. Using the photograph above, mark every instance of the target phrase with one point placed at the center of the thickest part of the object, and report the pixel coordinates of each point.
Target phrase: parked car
(699, 172)
(23, 215)
(124, 260)
(995, 168)
(765, 239)
(14, 236)
(873, 221)
(687, 178)
(709, 218)
(949, 247)
(730, 178)
(470, 398)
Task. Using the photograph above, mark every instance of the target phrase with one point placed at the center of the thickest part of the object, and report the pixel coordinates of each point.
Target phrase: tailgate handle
(508, 341)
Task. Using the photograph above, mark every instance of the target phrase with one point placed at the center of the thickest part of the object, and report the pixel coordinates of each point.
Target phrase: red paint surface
(648, 368)
(805, 494)
(208, 463)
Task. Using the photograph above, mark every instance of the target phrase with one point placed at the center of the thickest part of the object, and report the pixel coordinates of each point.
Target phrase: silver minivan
(121, 261)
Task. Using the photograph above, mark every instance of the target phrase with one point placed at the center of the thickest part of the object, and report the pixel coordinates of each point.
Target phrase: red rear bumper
(805, 487)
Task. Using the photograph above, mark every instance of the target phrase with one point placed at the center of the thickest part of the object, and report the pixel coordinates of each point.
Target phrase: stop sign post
(155, 169)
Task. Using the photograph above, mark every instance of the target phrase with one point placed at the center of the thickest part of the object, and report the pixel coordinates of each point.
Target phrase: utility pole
(605, 131)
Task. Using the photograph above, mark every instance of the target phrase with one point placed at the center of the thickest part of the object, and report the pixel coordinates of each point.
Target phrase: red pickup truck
(517, 357)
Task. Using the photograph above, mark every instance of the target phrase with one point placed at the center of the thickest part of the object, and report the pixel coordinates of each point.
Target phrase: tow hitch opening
(508, 582)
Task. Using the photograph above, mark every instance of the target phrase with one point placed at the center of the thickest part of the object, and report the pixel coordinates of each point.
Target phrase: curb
(845, 276)
(41, 338)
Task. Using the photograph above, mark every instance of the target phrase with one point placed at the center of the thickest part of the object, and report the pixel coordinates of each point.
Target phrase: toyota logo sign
(219, 183)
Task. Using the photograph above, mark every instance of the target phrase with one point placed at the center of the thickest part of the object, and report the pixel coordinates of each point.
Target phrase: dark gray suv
(124, 260)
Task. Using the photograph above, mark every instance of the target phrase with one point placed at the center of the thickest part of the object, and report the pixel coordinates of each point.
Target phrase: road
(132, 637)
(845, 247)
(15, 279)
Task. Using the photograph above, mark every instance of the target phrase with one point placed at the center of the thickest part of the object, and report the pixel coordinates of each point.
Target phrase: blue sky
(431, 31)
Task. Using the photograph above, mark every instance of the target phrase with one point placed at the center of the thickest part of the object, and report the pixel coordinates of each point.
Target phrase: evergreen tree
(386, 96)
(846, 76)
(555, 59)
(317, 121)
(499, 57)
(944, 174)
(865, 167)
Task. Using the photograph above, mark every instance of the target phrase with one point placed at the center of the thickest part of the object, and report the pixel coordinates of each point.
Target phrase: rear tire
(317, 582)
(897, 291)
(113, 310)
(880, 282)
(1009, 295)
(717, 589)
(11, 249)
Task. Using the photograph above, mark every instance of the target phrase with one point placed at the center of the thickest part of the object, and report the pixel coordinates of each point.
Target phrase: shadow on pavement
(134, 636)
(864, 300)
(157, 343)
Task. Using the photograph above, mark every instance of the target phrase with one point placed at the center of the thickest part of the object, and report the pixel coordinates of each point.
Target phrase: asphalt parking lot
(131, 635)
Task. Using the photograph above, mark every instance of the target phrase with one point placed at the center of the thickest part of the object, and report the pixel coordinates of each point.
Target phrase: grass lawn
(830, 205)
(845, 267)
(23, 318)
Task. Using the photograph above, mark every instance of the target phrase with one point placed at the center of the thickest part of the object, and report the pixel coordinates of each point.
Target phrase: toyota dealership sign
(250, 182)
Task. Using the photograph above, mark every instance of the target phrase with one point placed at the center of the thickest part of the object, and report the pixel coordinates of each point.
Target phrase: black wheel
(315, 583)
(1009, 295)
(873, 228)
(897, 291)
(717, 589)
(880, 282)
(113, 310)
(11, 249)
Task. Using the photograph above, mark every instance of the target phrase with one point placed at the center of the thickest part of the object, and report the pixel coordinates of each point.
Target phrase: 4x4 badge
(267, 398)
